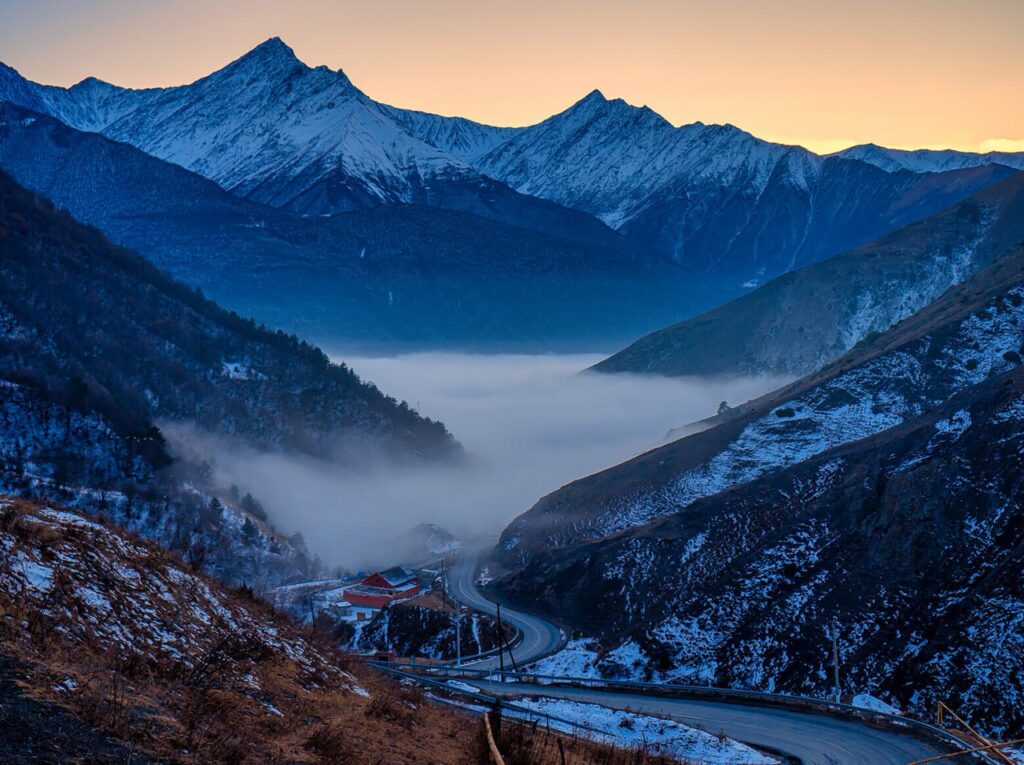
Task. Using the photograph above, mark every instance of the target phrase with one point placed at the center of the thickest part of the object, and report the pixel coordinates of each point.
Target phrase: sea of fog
(529, 424)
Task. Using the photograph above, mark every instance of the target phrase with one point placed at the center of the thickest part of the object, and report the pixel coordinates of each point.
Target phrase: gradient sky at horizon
(903, 73)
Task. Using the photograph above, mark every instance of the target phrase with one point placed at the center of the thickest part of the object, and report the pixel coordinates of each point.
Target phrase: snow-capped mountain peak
(609, 157)
(266, 126)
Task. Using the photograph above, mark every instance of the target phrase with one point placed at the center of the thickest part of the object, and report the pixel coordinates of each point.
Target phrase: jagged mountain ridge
(269, 128)
(393, 274)
(803, 319)
(711, 197)
(258, 123)
(714, 197)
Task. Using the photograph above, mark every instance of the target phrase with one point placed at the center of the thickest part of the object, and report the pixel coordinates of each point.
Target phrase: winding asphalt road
(804, 737)
(539, 637)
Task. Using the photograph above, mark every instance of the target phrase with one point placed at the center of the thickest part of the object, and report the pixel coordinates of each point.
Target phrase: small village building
(381, 587)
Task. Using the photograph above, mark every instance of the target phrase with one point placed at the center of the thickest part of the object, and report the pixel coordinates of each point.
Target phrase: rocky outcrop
(422, 628)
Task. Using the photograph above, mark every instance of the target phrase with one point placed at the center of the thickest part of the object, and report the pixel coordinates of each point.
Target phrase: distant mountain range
(881, 495)
(400, 273)
(930, 160)
(725, 209)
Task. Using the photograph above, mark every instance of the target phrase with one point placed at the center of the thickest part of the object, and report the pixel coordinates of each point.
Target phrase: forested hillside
(97, 347)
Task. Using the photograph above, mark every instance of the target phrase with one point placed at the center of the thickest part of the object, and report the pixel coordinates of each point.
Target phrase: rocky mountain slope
(909, 544)
(115, 651)
(142, 346)
(111, 650)
(397, 273)
(880, 497)
(973, 332)
(799, 321)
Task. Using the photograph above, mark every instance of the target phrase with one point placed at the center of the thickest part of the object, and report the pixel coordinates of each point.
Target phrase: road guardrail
(871, 717)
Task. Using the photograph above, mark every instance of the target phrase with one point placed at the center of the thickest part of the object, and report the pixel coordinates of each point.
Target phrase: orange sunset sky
(916, 73)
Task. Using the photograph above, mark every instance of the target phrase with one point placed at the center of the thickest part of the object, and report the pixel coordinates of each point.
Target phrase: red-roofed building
(381, 587)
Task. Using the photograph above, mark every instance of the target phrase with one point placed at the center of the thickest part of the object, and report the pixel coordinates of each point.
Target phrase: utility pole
(458, 636)
(501, 644)
(444, 586)
(835, 657)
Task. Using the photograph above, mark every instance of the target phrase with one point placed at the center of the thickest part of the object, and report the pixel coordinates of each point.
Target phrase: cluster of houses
(358, 602)
(381, 587)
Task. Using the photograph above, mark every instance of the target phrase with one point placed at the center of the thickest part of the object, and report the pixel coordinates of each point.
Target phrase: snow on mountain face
(795, 324)
(713, 198)
(460, 137)
(710, 197)
(267, 127)
(910, 542)
(90, 105)
(929, 160)
(608, 157)
(884, 496)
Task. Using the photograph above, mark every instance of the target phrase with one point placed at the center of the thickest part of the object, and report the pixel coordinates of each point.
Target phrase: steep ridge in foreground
(115, 651)
(799, 321)
(909, 545)
(112, 650)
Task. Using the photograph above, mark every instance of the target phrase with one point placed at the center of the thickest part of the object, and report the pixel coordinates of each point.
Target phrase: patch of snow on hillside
(867, 701)
(577, 659)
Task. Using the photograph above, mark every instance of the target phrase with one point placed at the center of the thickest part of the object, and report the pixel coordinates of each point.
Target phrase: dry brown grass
(526, 743)
(234, 695)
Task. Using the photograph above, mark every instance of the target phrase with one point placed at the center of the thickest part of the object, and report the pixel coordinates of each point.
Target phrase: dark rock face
(410, 629)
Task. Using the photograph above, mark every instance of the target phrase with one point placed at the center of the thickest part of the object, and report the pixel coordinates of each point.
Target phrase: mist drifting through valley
(529, 424)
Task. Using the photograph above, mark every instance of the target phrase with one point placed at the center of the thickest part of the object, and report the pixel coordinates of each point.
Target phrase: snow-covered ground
(653, 734)
(867, 701)
(575, 660)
